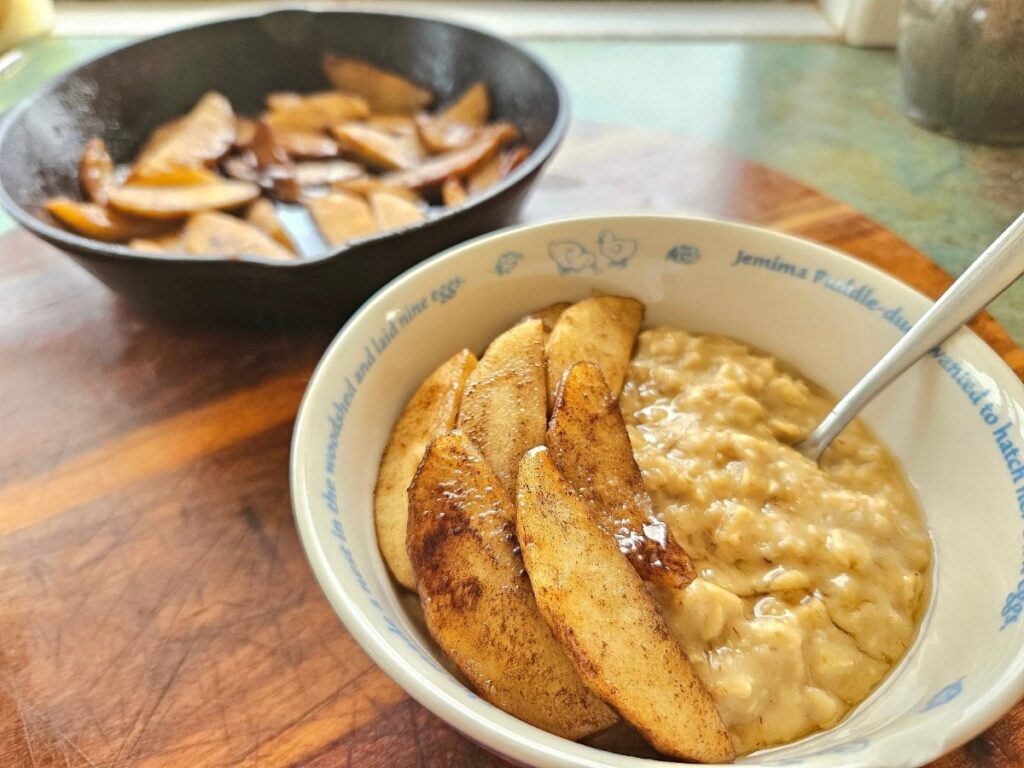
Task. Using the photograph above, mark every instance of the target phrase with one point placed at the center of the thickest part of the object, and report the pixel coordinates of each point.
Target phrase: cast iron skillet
(124, 95)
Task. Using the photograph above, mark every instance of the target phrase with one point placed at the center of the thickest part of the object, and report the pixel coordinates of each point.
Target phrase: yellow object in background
(21, 20)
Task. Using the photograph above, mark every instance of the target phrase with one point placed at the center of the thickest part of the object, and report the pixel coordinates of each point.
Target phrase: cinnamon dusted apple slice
(306, 145)
(452, 192)
(263, 216)
(393, 212)
(549, 315)
(314, 111)
(429, 414)
(601, 612)
(217, 234)
(368, 185)
(495, 169)
(397, 125)
(96, 171)
(241, 166)
(440, 135)
(172, 202)
(513, 157)
(503, 408)
(276, 171)
(477, 600)
(163, 132)
(384, 91)
(434, 170)
(341, 216)
(245, 130)
(176, 176)
(165, 244)
(317, 173)
(485, 176)
(199, 138)
(376, 147)
(599, 330)
(588, 442)
(472, 108)
(101, 223)
(455, 126)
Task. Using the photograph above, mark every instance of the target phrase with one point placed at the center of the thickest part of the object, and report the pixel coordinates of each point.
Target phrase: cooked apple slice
(166, 244)
(549, 315)
(429, 414)
(375, 147)
(452, 192)
(217, 234)
(393, 212)
(384, 91)
(476, 598)
(512, 158)
(100, 223)
(315, 111)
(175, 202)
(588, 442)
(276, 172)
(367, 185)
(266, 148)
(241, 166)
(503, 408)
(263, 216)
(599, 609)
(397, 125)
(318, 173)
(403, 129)
(495, 169)
(199, 138)
(434, 170)
(96, 171)
(440, 135)
(599, 330)
(487, 175)
(341, 216)
(161, 134)
(282, 100)
(177, 176)
(245, 130)
(306, 145)
(473, 107)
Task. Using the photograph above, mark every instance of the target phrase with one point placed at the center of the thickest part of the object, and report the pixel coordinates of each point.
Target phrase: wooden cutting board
(155, 606)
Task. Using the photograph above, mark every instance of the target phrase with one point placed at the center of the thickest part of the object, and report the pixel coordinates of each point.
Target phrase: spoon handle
(990, 274)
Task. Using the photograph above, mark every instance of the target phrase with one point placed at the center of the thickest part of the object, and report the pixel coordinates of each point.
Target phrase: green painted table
(826, 115)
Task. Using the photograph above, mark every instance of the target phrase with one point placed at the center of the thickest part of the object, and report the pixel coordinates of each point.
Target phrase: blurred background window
(857, 22)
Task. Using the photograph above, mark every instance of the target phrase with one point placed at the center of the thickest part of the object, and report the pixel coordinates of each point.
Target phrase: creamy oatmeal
(811, 580)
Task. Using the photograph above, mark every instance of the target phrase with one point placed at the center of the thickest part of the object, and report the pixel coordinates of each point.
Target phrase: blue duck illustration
(571, 257)
(618, 251)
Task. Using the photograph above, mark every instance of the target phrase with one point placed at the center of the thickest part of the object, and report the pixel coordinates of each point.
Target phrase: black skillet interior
(124, 95)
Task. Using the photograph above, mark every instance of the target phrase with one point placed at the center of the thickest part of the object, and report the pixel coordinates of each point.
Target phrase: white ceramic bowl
(828, 314)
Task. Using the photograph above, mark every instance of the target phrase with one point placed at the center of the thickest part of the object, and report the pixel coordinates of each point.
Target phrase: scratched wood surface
(155, 606)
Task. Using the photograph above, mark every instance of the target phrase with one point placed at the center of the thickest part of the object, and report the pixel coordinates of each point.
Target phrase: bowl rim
(63, 238)
(989, 707)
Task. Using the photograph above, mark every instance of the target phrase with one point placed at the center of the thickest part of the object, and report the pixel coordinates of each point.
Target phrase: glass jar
(962, 64)
(21, 20)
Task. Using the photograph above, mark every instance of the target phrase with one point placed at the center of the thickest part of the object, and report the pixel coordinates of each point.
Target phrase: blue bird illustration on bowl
(616, 250)
(571, 257)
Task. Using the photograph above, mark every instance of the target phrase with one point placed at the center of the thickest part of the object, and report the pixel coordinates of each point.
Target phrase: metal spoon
(990, 275)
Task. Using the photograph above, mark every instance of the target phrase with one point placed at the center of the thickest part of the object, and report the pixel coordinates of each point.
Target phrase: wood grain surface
(155, 606)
